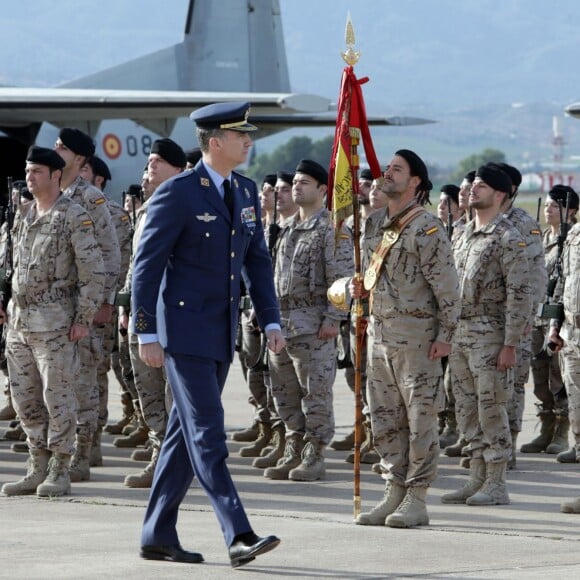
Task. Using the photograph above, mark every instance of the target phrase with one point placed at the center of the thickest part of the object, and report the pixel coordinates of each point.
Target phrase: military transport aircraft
(230, 45)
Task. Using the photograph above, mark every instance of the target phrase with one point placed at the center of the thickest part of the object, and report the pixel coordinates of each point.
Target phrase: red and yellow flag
(351, 127)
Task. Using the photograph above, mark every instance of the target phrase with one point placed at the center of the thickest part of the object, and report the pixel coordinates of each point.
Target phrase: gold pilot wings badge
(206, 217)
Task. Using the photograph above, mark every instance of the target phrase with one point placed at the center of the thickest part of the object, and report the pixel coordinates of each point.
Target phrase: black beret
(366, 174)
(193, 155)
(77, 141)
(232, 116)
(451, 191)
(313, 169)
(416, 164)
(560, 194)
(495, 177)
(270, 179)
(285, 176)
(45, 156)
(99, 167)
(470, 176)
(170, 151)
(514, 174)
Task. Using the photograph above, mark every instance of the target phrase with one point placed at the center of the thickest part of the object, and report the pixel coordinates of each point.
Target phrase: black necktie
(228, 196)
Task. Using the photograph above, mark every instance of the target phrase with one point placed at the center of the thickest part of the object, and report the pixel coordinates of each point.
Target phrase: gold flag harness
(388, 240)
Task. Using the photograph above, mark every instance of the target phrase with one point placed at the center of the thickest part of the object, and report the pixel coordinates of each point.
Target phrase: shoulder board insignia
(247, 193)
(124, 218)
(87, 222)
(99, 200)
(522, 244)
(536, 232)
(236, 184)
(204, 181)
(431, 230)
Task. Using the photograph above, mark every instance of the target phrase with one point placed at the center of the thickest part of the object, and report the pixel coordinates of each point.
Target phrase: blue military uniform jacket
(188, 265)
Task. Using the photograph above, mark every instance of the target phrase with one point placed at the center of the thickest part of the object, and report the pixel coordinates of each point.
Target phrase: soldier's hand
(439, 350)
(506, 359)
(123, 321)
(104, 314)
(152, 354)
(556, 339)
(328, 331)
(78, 332)
(276, 341)
(3, 317)
(357, 289)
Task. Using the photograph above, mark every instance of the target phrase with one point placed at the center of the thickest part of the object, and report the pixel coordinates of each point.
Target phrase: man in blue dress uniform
(203, 232)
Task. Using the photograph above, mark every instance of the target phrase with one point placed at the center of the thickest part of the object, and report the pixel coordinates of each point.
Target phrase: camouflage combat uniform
(90, 349)
(532, 235)
(58, 281)
(414, 303)
(548, 385)
(495, 308)
(308, 260)
(570, 330)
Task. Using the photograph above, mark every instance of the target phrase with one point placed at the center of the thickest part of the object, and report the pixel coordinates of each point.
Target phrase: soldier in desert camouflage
(309, 258)
(414, 306)
(57, 287)
(491, 261)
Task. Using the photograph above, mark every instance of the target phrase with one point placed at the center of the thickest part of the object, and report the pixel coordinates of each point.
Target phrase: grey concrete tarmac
(94, 532)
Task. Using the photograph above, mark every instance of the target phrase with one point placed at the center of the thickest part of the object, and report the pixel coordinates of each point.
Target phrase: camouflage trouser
(44, 368)
(302, 378)
(570, 360)
(481, 396)
(448, 384)
(517, 401)
(405, 394)
(154, 393)
(548, 384)
(250, 353)
(87, 388)
(121, 363)
(350, 372)
(106, 333)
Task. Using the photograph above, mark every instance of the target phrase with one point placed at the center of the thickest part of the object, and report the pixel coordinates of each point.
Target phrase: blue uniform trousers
(195, 444)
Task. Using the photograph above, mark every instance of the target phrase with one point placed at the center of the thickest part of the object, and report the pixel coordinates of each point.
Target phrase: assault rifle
(7, 267)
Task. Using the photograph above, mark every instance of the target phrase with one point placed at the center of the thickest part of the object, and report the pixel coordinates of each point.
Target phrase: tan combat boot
(276, 452)
(455, 449)
(36, 472)
(412, 511)
(145, 454)
(494, 488)
(96, 457)
(311, 467)
(547, 426)
(559, 441)
(80, 464)
(255, 448)
(128, 411)
(476, 479)
(57, 481)
(449, 435)
(247, 435)
(367, 449)
(571, 507)
(568, 456)
(290, 460)
(394, 495)
(15, 433)
(138, 437)
(144, 479)
(344, 444)
(511, 464)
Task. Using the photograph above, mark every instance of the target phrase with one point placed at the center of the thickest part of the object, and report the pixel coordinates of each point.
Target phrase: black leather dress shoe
(170, 554)
(245, 549)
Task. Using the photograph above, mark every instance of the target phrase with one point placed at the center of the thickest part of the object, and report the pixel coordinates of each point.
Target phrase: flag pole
(351, 57)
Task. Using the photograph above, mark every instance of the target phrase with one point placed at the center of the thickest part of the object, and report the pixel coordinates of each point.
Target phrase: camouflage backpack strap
(391, 235)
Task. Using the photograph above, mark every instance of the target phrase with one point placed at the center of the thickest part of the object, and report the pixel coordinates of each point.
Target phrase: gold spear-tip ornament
(351, 55)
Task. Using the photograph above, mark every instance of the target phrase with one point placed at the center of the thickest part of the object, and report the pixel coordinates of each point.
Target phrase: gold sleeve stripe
(87, 222)
(537, 232)
(522, 244)
(344, 237)
(124, 218)
(431, 230)
(100, 200)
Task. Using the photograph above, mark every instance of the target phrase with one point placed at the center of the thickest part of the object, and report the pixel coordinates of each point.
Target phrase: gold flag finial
(351, 56)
